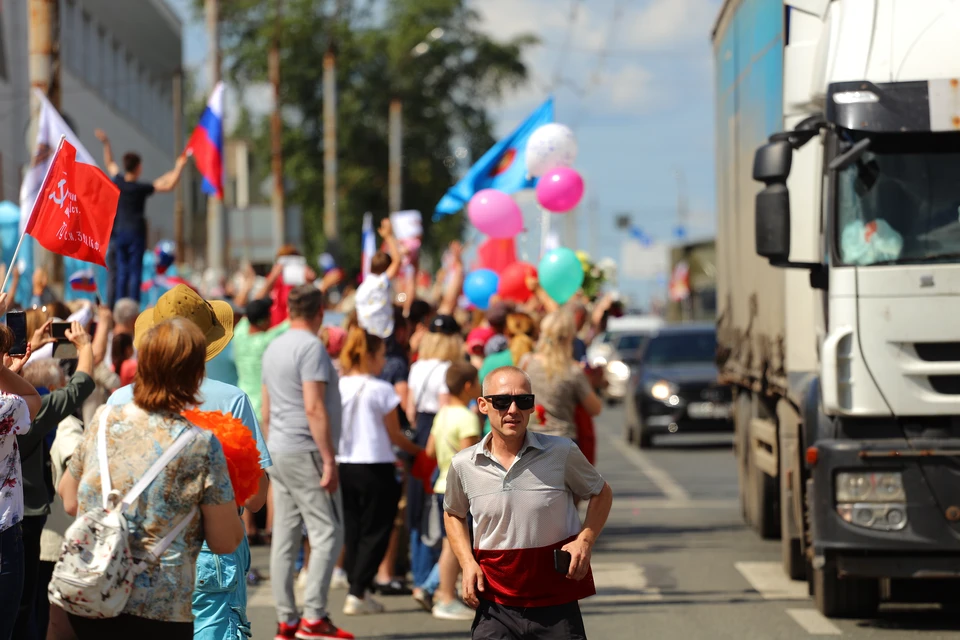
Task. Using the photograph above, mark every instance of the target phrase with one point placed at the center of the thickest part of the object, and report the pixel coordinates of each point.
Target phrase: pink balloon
(495, 214)
(560, 189)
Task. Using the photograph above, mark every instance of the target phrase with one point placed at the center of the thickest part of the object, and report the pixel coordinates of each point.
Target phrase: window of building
(91, 51)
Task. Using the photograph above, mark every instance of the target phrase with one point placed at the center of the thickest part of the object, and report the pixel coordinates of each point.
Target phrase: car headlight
(882, 486)
(618, 370)
(661, 389)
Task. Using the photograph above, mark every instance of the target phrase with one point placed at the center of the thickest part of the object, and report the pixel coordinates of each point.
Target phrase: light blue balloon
(479, 286)
(560, 274)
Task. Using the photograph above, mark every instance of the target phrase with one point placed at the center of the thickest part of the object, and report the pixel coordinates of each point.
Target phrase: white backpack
(95, 573)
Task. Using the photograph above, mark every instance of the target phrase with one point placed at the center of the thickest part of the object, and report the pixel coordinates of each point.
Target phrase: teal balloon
(560, 274)
(479, 285)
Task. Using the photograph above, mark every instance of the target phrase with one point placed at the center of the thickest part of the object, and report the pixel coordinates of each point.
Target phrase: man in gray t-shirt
(292, 359)
(301, 410)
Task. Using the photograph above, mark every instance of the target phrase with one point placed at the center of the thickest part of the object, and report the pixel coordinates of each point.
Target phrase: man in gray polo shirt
(301, 411)
(519, 486)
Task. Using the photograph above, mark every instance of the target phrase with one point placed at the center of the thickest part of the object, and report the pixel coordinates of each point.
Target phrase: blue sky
(642, 112)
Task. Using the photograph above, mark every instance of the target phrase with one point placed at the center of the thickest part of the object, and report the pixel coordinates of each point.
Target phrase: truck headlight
(873, 500)
(870, 515)
(881, 486)
(618, 370)
(661, 389)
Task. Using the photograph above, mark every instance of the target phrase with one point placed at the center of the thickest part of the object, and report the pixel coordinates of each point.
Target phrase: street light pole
(276, 138)
(217, 241)
(330, 223)
(395, 137)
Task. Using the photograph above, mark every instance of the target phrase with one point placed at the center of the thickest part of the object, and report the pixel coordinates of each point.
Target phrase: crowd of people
(392, 444)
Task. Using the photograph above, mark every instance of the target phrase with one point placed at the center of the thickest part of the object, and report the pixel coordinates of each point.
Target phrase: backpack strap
(168, 539)
(105, 486)
(185, 438)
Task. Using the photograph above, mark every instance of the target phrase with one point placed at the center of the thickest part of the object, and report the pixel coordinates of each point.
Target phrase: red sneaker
(322, 629)
(285, 631)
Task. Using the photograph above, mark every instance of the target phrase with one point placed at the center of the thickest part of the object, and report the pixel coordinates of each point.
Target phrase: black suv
(674, 387)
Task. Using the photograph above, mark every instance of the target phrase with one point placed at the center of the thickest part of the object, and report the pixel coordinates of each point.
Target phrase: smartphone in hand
(17, 321)
(561, 561)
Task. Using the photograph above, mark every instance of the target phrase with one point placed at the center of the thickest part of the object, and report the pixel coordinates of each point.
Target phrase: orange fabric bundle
(239, 447)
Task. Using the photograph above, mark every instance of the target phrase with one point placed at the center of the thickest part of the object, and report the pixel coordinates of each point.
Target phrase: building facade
(118, 61)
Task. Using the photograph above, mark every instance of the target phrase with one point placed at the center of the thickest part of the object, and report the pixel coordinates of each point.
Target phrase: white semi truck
(838, 302)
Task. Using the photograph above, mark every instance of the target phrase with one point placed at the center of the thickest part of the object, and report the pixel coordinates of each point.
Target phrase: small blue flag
(680, 232)
(638, 234)
(503, 167)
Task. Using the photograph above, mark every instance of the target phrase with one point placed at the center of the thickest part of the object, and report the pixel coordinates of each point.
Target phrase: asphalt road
(674, 561)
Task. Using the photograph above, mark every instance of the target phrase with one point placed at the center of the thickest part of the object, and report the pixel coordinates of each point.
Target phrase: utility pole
(276, 136)
(217, 242)
(44, 63)
(178, 235)
(395, 137)
(682, 213)
(330, 223)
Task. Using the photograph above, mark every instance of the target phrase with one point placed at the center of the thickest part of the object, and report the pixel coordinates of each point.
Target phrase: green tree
(445, 93)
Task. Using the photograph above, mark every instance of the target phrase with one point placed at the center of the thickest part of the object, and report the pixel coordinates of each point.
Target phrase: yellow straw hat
(215, 318)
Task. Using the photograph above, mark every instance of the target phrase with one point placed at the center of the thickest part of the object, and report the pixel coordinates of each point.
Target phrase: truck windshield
(900, 202)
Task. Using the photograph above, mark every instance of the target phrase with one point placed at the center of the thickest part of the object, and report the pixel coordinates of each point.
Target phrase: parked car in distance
(674, 387)
(618, 349)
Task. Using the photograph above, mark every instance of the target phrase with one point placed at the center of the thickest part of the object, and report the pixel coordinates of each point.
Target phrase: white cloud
(622, 84)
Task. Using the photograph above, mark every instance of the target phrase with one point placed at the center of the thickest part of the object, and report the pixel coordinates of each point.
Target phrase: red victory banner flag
(74, 211)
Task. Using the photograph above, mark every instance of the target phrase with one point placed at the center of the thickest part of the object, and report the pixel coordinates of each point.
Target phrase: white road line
(768, 579)
(814, 623)
(667, 485)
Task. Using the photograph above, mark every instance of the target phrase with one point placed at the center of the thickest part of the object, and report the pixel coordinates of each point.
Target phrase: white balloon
(549, 147)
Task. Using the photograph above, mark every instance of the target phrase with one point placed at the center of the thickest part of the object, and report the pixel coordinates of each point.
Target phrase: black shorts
(496, 622)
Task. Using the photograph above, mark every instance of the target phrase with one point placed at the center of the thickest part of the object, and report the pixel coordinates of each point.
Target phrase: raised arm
(169, 180)
(112, 168)
(396, 257)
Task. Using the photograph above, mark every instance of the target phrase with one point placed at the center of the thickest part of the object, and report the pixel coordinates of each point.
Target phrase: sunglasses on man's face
(503, 402)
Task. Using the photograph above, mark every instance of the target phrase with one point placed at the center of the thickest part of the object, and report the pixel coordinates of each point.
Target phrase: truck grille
(947, 385)
(938, 352)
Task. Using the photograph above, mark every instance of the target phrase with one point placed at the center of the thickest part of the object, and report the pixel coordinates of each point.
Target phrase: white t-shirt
(14, 420)
(374, 312)
(428, 380)
(363, 436)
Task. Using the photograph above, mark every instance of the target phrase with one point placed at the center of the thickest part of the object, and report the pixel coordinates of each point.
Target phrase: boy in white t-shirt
(374, 308)
(456, 427)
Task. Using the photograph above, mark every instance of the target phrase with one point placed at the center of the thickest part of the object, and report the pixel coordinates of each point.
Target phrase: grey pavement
(674, 561)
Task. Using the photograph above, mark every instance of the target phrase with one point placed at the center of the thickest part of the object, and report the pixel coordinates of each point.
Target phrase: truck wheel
(837, 597)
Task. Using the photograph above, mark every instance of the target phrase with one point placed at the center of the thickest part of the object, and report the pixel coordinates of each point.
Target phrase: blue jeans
(422, 560)
(11, 578)
(125, 265)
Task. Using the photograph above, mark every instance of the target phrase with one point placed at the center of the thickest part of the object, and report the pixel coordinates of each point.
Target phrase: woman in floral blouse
(169, 372)
(19, 402)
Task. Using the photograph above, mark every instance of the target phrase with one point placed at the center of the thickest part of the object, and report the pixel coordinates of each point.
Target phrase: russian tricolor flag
(206, 144)
(83, 280)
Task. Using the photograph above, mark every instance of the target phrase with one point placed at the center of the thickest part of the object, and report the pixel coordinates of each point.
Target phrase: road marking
(768, 579)
(622, 583)
(666, 484)
(814, 623)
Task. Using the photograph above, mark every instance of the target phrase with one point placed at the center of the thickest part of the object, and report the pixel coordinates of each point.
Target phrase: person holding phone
(520, 486)
(19, 404)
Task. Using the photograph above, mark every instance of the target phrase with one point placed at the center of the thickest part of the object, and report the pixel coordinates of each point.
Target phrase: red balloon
(513, 282)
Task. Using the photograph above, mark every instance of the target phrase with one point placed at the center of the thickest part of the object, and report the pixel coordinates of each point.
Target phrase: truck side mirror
(771, 165)
(772, 224)
(772, 162)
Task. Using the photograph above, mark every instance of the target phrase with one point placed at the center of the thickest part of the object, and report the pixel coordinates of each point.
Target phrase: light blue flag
(503, 167)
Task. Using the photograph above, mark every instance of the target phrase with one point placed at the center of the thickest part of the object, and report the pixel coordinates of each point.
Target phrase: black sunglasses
(502, 402)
